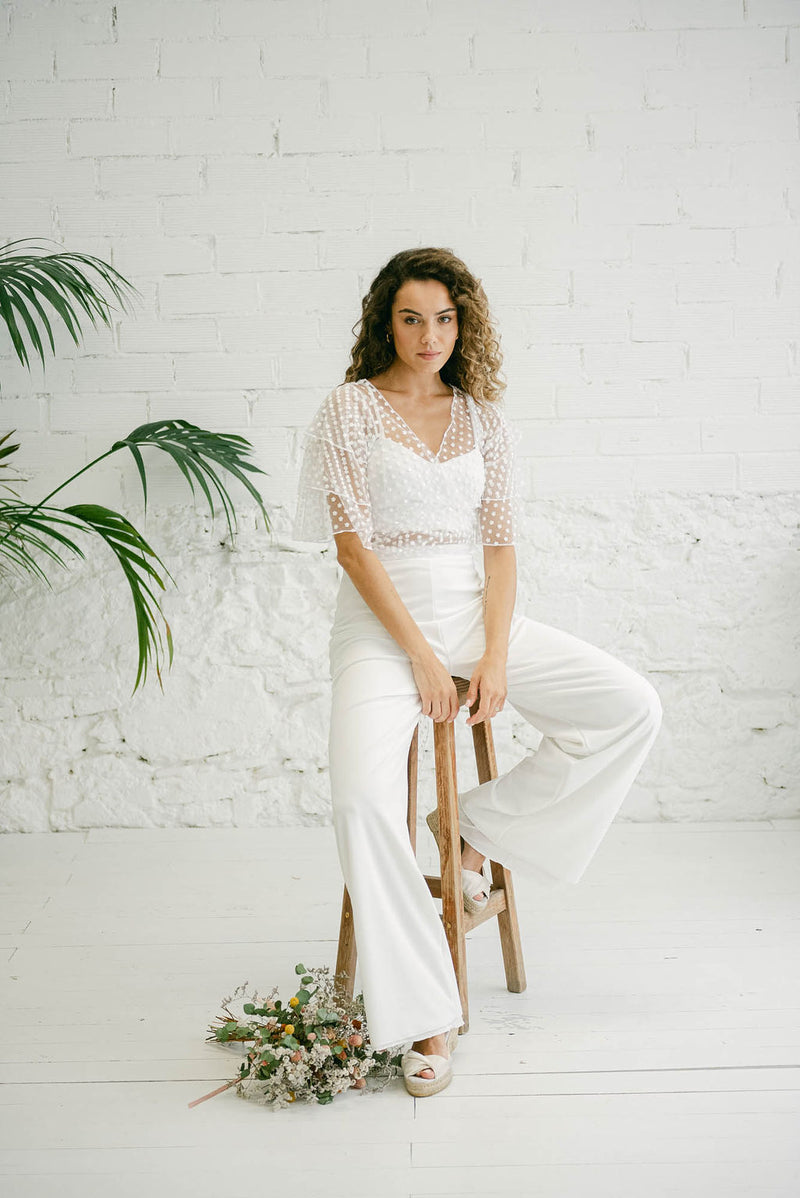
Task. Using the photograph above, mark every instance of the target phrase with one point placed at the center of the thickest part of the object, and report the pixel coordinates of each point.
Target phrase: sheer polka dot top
(365, 470)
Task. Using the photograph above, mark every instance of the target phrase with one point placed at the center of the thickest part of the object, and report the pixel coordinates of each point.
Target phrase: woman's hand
(489, 680)
(436, 688)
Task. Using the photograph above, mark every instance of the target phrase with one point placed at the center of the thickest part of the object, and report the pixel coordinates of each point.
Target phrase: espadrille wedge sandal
(472, 881)
(413, 1062)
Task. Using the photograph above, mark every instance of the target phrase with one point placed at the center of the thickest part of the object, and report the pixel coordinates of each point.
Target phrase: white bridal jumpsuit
(422, 513)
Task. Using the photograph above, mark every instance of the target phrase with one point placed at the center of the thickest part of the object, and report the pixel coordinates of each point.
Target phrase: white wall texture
(622, 175)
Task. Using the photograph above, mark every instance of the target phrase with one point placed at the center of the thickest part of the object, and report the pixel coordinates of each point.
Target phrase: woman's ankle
(471, 858)
(429, 1044)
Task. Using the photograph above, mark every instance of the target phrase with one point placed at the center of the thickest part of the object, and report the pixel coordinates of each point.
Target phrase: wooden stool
(447, 886)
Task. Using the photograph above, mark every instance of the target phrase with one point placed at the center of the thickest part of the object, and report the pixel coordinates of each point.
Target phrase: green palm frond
(6, 452)
(189, 447)
(23, 527)
(59, 278)
(192, 449)
(132, 551)
(27, 529)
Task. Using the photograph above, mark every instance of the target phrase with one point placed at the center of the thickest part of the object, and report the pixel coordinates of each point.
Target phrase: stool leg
(450, 857)
(346, 955)
(508, 924)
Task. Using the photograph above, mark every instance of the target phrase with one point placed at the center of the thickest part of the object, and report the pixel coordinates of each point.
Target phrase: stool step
(496, 903)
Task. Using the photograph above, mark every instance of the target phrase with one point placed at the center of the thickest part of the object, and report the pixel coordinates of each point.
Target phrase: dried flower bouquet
(309, 1049)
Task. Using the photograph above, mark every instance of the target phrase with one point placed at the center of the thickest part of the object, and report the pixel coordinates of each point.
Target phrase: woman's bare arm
(488, 681)
(499, 596)
(378, 591)
(369, 577)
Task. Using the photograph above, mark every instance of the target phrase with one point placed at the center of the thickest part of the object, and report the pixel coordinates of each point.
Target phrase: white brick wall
(622, 175)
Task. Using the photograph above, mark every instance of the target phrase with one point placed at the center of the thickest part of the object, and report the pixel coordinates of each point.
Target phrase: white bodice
(412, 493)
(365, 470)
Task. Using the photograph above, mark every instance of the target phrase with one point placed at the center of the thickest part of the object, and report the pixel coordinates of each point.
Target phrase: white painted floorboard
(656, 1050)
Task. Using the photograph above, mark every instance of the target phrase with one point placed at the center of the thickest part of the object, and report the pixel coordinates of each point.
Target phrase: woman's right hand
(436, 688)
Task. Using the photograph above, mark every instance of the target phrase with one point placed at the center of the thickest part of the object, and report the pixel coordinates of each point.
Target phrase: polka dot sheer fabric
(365, 470)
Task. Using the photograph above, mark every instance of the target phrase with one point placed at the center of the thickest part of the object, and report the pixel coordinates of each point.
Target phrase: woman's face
(424, 325)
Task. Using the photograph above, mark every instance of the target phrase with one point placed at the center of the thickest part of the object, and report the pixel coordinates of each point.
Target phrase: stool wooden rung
(447, 885)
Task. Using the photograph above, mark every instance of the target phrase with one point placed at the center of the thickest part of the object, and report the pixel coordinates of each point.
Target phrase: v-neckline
(416, 436)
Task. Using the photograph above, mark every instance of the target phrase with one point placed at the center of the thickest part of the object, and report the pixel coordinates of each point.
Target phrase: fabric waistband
(425, 551)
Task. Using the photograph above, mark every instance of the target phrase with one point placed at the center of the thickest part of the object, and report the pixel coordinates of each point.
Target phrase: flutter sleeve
(332, 491)
(500, 511)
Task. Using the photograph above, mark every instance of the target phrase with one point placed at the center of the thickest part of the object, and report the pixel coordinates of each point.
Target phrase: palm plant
(27, 279)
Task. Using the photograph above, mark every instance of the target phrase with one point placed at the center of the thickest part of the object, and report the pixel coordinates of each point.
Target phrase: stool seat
(447, 884)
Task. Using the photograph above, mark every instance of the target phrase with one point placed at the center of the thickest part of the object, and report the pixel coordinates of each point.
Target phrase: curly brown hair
(475, 362)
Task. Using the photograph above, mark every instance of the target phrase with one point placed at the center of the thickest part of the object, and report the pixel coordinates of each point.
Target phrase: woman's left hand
(489, 681)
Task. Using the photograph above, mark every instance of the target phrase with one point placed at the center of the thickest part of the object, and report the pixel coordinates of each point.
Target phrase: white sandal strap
(472, 883)
(413, 1061)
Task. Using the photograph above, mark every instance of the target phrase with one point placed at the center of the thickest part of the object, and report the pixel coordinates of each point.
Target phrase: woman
(408, 464)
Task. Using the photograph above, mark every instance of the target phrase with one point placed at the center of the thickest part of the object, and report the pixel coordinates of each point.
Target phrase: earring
(388, 336)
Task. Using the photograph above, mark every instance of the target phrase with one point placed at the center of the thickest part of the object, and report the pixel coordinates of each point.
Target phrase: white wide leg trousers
(546, 816)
